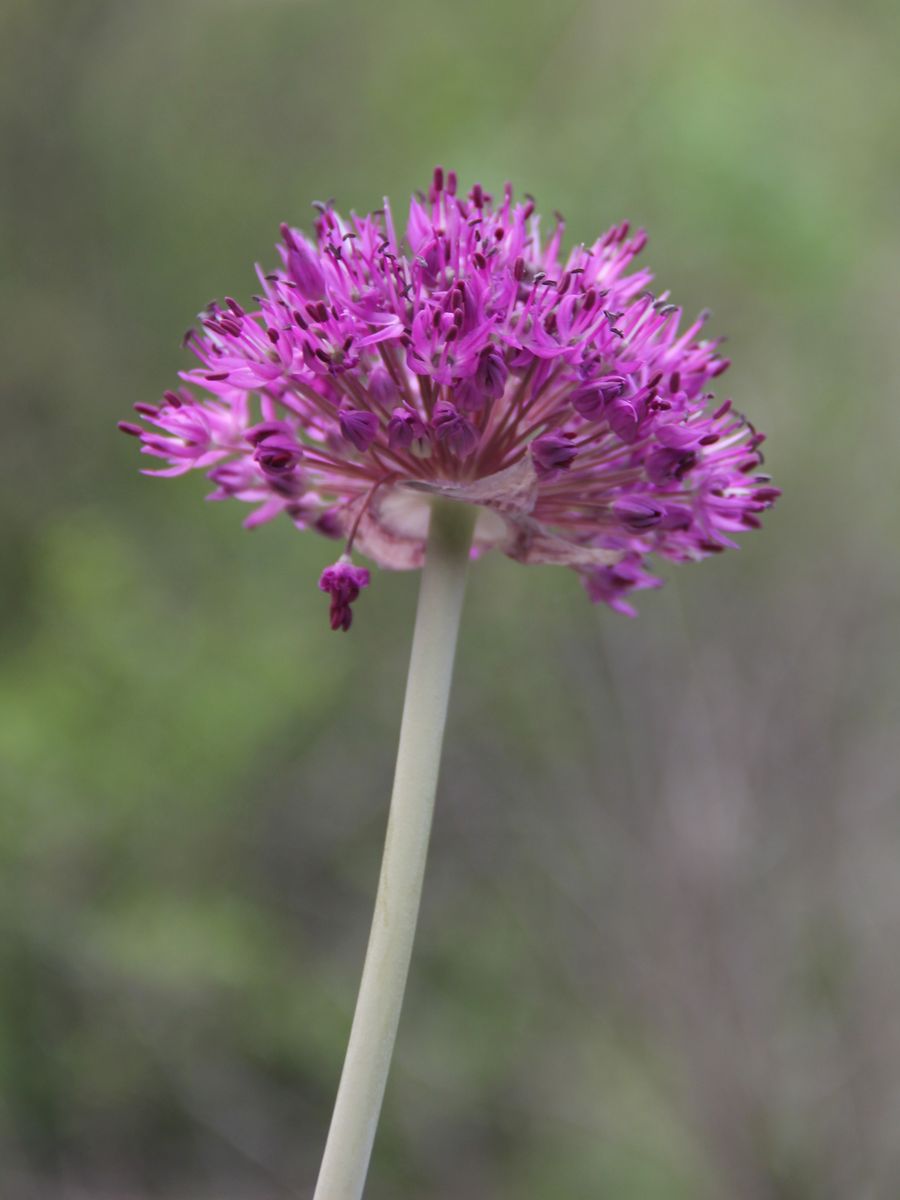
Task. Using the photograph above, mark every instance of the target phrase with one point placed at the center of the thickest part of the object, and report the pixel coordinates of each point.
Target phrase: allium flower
(469, 359)
(384, 391)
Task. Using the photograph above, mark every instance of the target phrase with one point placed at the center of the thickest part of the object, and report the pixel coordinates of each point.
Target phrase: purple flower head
(464, 356)
(343, 582)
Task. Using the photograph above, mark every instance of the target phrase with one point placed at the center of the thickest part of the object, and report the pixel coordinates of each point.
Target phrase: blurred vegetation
(658, 957)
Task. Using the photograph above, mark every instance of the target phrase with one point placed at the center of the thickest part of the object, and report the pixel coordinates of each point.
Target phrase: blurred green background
(660, 949)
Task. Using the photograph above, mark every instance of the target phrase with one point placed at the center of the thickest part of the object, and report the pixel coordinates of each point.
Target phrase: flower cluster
(466, 358)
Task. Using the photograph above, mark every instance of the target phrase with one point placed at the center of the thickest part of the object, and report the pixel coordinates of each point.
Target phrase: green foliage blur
(658, 955)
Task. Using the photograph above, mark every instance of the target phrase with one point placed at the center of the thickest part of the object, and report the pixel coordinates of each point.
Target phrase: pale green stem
(343, 1172)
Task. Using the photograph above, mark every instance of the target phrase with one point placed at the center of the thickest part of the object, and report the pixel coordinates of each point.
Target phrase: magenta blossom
(468, 359)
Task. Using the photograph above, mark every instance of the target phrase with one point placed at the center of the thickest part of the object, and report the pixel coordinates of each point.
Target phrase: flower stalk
(343, 1172)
